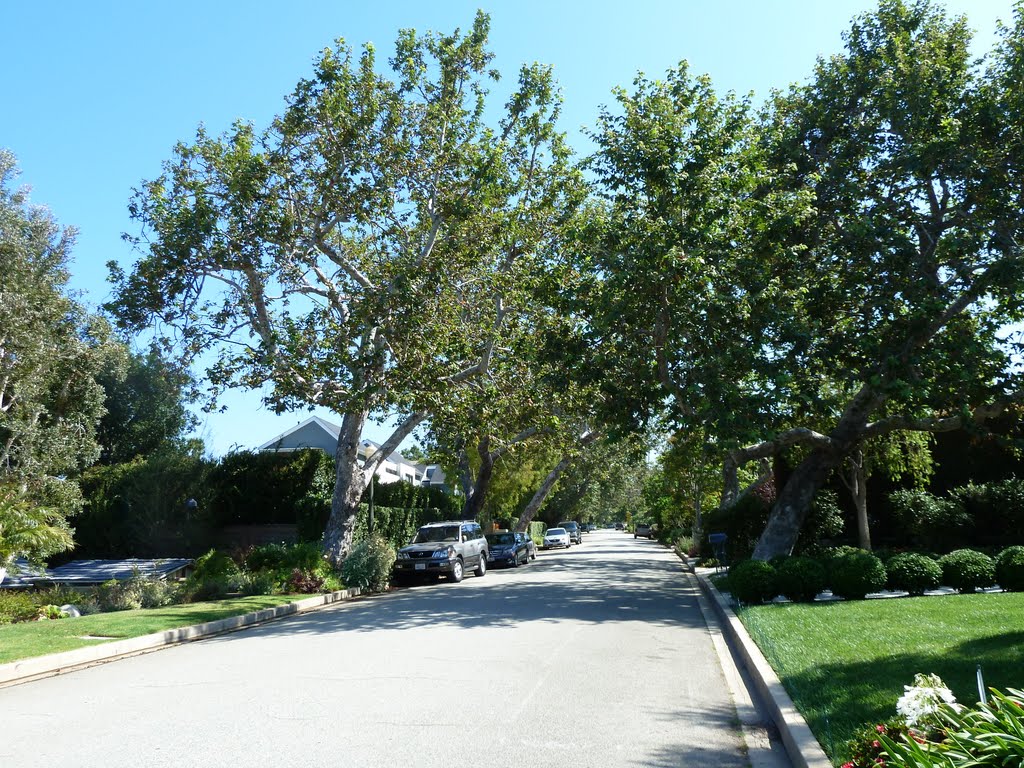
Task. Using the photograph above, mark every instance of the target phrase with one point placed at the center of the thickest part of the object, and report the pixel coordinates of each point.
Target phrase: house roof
(331, 430)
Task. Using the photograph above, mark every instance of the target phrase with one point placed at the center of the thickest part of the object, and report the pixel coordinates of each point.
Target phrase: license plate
(421, 566)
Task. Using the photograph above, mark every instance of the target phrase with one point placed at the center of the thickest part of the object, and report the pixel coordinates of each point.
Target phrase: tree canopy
(51, 355)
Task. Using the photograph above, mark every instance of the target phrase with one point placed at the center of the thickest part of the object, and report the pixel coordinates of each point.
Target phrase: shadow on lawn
(838, 699)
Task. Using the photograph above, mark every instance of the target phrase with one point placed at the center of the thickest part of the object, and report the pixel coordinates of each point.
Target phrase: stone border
(26, 670)
(801, 745)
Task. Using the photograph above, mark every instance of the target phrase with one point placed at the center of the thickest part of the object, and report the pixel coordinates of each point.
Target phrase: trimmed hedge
(800, 578)
(752, 581)
(967, 570)
(855, 574)
(1010, 569)
(913, 573)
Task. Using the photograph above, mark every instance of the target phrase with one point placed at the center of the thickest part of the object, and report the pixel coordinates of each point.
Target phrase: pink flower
(880, 728)
(847, 765)
(876, 744)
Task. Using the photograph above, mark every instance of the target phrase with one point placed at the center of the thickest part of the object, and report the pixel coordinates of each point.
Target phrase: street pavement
(594, 656)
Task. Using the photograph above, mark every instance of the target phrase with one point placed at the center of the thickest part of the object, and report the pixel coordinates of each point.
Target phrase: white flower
(923, 698)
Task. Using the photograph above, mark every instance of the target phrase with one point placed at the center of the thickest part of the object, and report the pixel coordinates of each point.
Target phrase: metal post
(981, 686)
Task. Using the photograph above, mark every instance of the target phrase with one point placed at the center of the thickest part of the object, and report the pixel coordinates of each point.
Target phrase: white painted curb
(801, 745)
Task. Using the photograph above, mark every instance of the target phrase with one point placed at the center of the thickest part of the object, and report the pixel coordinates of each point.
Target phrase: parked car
(645, 530)
(590, 527)
(575, 532)
(447, 548)
(620, 526)
(507, 548)
(556, 537)
(531, 546)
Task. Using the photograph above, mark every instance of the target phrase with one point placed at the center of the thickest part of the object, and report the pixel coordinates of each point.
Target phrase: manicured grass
(845, 664)
(38, 638)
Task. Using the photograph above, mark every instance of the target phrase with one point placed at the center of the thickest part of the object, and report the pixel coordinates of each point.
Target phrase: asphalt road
(594, 656)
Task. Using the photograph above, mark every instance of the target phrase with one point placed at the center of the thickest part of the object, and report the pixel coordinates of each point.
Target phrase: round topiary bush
(752, 581)
(800, 579)
(1010, 569)
(913, 573)
(369, 565)
(854, 574)
(966, 570)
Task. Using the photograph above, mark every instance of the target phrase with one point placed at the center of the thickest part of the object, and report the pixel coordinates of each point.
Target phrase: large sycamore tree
(839, 268)
(52, 353)
(362, 253)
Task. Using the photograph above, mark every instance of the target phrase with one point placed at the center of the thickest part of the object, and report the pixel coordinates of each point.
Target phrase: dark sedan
(507, 548)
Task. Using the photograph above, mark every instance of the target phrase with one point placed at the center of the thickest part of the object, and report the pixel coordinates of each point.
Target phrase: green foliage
(967, 570)
(800, 578)
(135, 592)
(17, 606)
(742, 522)
(369, 565)
(138, 508)
(1010, 569)
(146, 408)
(931, 522)
(304, 556)
(752, 581)
(824, 522)
(28, 529)
(913, 573)
(865, 750)
(995, 510)
(989, 734)
(854, 574)
(215, 564)
(248, 487)
(51, 353)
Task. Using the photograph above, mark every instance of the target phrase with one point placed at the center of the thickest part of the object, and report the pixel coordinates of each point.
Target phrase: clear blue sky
(94, 95)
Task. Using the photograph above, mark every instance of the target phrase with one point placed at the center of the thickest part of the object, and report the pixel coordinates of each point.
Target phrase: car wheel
(456, 574)
(634, 535)
(481, 566)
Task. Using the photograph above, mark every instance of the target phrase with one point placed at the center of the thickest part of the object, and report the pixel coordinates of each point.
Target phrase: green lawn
(38, 638)
(845, 664)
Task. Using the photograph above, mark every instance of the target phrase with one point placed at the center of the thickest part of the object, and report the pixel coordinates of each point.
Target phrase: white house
(320, 434)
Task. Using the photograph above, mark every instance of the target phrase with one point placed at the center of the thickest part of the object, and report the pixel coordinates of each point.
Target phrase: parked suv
(575, 532)
(449, 548)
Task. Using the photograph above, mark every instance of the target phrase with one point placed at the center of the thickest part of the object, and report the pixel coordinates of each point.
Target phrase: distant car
(590, 527)
(556, 537)
(620, 527)
(646, 530)
(575, 532)
(507, 548)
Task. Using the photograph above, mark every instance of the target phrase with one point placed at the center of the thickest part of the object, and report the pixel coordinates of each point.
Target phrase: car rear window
(555, 531)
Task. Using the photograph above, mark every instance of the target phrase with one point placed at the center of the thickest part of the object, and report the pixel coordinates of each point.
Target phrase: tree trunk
(794, 501)
(475, 499)
(856, 481)
(542, 493)
(349, 483)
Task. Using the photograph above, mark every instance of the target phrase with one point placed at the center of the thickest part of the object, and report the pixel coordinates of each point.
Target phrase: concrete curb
(802, 747)
(37, 667)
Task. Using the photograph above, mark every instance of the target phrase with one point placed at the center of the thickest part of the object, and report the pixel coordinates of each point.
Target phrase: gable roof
(329, 429)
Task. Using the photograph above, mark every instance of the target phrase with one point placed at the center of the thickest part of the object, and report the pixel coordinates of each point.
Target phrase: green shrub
(913, 573)
(369, 565)
(800, 579)
(305, 555)
(114, 596)
(854, 574)
(214, 564)
(752, 581)
(966, 570)
(16, 607)
(304, 582)
(59, 594)
(1010, 569)
(743, 523)
(930, 522)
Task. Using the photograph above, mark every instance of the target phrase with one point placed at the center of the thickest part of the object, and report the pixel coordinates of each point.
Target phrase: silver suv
(449, 548)
(575, 532)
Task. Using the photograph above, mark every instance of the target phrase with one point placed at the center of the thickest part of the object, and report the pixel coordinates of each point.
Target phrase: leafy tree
(363, 253)
(909, 256)
(837, 271)
(51, 353)
(146, 409)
